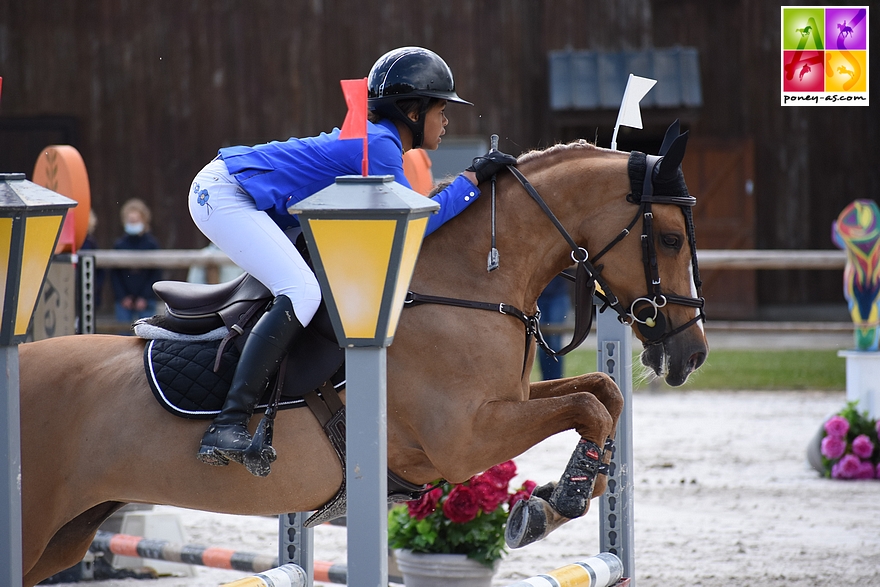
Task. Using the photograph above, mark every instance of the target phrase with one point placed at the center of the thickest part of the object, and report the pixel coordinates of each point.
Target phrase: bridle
(642, 170)
(649, 185)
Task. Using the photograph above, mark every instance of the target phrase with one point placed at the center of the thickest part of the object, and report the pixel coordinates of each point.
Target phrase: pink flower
(878, 471)
(846, 468)
(866, 470)
(837, 426)
(862, 446)
(833, 447)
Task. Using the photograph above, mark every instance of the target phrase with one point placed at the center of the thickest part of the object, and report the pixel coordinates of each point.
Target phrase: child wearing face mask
(133, 288)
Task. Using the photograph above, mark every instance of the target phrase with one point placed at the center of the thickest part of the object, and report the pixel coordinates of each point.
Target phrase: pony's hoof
(527, 523)
(211, 456)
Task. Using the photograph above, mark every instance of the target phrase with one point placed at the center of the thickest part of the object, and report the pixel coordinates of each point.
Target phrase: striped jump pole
(289, 575)
(602, 570)
(218, 558)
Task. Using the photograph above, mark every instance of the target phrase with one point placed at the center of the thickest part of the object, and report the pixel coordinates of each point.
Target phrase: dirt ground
(723, 496)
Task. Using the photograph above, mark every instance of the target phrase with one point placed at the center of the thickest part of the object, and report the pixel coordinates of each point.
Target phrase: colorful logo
(824, 56)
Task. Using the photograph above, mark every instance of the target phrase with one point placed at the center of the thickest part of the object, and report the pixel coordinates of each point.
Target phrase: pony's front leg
(553, 504)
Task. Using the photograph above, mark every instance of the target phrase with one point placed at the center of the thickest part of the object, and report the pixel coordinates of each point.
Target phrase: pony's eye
(672, 241)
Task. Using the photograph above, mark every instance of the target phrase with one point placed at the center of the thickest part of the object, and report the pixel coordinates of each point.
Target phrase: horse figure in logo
(458, 391)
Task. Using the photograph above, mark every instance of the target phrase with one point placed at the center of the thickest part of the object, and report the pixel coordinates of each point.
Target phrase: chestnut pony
(459, 396)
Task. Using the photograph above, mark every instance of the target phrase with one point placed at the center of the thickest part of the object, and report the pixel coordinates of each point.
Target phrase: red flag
(355, 125)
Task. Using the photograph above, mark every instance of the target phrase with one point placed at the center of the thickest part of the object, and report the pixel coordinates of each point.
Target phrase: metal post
(616, 504)
(296, 543)
(10, 453)
(366, 466)
(86, 267)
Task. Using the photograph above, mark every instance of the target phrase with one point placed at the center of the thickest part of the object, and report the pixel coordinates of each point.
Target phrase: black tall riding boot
(227, 437)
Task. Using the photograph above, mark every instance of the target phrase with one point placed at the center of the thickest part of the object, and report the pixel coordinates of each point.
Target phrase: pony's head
(651, 279)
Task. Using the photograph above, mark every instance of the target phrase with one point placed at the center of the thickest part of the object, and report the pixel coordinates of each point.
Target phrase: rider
(240, 200)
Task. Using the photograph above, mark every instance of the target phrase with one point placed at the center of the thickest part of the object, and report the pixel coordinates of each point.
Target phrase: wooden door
(720, 173)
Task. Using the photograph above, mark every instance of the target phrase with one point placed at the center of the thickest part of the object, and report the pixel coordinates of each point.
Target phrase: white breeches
(227, 215)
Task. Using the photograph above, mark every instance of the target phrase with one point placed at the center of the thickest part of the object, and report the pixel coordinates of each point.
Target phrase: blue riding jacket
(280, 174)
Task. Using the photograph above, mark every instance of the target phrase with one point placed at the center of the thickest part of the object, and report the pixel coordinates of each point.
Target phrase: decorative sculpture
(856, 231)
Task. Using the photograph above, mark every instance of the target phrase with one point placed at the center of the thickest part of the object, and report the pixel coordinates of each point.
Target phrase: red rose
(523, 492)
(501, 474)
(462, 505)
(425, 505)
(488, 493)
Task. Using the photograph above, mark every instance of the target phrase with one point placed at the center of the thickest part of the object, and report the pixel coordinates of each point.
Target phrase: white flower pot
(446, 570)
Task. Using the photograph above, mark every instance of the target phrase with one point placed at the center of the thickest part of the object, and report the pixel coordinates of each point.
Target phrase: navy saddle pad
(181, 376)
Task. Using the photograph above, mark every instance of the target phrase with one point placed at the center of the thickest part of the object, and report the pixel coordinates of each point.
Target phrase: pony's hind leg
(69, 545)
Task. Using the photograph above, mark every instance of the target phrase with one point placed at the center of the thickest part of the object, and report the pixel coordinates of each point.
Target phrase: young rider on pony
(240, 200)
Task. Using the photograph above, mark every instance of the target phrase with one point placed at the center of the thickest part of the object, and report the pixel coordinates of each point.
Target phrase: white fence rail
(708, 259)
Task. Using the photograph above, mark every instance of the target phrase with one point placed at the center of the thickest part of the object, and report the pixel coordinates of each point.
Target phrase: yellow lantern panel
(5, 240)
(415, 232)
(355, 255)
(39, 244)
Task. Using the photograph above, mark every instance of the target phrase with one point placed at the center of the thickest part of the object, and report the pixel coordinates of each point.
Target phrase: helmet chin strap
(416, 127)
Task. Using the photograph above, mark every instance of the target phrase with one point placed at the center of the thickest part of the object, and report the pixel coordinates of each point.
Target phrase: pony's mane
(577, 147)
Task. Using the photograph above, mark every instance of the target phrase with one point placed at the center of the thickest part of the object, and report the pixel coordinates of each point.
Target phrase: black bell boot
(227, 438)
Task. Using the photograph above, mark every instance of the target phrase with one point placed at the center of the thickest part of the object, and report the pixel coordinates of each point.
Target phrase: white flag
(636, 88)
(629, 115)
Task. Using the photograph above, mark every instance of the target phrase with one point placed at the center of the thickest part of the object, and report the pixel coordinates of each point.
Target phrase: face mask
(134, 228)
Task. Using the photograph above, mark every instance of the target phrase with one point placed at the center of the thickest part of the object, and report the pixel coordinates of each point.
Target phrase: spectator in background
(133, 288)
(555, 305)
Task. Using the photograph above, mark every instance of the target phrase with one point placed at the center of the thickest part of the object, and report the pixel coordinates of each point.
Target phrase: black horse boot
(228, 437)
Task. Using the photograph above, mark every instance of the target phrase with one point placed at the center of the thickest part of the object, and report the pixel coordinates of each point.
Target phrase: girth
(330, 413)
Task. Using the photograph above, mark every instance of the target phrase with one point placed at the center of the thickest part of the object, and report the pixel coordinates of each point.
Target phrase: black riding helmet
(407, 73)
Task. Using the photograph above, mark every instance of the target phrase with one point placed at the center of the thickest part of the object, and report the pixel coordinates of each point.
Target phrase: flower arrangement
(850, 447)
(466, 518)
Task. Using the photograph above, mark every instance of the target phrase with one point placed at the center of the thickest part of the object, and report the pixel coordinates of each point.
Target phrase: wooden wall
(155, 88)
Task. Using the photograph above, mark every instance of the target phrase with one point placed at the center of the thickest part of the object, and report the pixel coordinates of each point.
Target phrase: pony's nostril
(695, 361)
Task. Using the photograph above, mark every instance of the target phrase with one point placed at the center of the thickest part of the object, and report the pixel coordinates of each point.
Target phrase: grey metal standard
(366, 466)
(87, 309)
(296, 544)
(616, 519)
(10, 453)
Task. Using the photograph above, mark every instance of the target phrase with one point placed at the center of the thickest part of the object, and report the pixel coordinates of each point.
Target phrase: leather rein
(649, 319)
